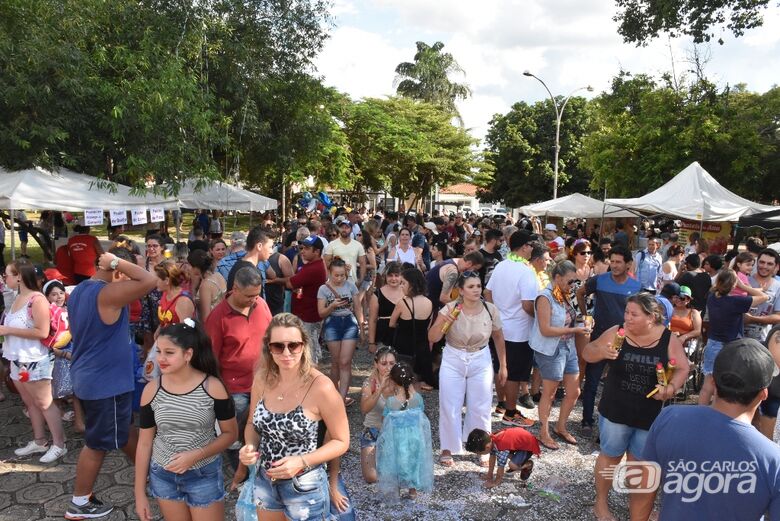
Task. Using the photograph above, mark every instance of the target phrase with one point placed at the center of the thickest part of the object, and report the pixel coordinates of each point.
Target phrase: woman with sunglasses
(581, 256)
(290, 399)
(552, 339)
(376, 389)
(685, 320)
(150, 303)
(466, 373)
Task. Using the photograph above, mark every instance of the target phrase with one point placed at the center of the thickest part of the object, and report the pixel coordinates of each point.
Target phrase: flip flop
(426, 387)
(348, 401)
(571, 440)
(551, 447)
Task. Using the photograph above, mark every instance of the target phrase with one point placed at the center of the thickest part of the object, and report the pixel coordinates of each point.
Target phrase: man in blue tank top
(102, 369)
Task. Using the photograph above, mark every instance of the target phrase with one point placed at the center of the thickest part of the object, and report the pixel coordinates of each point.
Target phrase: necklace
(281, 396)
(516, 258)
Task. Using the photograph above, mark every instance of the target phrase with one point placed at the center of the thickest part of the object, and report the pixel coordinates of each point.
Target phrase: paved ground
(31, 491)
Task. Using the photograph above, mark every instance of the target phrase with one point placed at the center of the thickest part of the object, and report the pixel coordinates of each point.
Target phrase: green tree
(643, 20)
(407, 147)
(140, 92)
(427, 78)
(647, 131)
(521, 144)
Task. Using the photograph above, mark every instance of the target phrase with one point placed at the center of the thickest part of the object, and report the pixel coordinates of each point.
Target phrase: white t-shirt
(349, 253)
(511, 283)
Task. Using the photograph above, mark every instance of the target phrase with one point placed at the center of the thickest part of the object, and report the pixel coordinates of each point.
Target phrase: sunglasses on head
(277, 348)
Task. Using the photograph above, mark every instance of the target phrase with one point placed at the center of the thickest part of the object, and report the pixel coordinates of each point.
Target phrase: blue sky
(567, 43)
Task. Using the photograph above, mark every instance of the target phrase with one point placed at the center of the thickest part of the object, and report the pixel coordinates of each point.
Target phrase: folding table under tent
(223, 196)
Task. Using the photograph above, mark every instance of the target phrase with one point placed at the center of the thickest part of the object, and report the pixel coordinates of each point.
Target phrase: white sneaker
(53, 454)
(31, 448)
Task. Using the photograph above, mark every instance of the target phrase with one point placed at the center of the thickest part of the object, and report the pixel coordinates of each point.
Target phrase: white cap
(551, 227)
(430, 226)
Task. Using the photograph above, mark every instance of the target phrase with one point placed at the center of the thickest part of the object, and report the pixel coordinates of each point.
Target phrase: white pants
(469, 377)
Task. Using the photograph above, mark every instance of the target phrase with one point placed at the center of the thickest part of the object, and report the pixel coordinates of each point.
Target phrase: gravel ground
(458, 493)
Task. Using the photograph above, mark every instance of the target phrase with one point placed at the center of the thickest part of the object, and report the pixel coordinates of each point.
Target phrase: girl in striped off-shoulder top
(178, 448)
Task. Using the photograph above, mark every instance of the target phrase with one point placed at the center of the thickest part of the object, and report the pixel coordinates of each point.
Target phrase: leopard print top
(283, 433)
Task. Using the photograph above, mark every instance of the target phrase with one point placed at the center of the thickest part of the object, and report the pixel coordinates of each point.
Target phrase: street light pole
(558, 117)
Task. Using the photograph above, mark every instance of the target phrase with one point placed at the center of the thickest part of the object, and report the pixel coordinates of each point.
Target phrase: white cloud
(567, 43)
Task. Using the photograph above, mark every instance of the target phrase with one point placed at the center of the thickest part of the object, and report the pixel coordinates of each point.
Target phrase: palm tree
(427, 78)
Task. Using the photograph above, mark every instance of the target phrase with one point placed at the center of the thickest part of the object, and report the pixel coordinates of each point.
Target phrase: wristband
(306, 467)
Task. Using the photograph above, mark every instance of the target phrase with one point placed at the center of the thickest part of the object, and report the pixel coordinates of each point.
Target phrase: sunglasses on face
(277, 348)
(333, 235)
(585, 253)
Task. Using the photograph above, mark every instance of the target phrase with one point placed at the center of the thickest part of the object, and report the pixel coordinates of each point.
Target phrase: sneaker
(500, 409)
(526, 401)
(537, 397)
(93, 509)
(560, 393)
(53, 454)
(31, 448)
(517, 420)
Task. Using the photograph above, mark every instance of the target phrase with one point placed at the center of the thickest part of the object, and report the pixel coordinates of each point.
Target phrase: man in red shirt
(305, 284)
(84, 250)
(236, 328)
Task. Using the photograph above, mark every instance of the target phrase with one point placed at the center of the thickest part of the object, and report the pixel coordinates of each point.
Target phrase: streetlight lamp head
(527, 73)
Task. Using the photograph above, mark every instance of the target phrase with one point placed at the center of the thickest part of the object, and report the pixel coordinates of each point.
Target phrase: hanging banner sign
(118, 217)
(93, 217)
(156, 215)
(139, 217)
(716, 234)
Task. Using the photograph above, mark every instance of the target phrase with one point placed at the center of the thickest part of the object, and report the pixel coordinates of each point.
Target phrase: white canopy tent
(223, 196)
(695, 195)
(574, 206)
(39, 189)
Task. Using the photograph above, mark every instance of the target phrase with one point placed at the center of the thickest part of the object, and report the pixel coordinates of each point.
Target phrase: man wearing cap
(551, 236)
(513, 289)
(305, 284)
(714, 464)
(347, 249)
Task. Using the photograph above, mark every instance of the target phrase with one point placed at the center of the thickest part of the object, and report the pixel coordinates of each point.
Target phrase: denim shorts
(563, 361)
(617, 439)
(40, 370)
(302, 497)
(368, 437)
(349, 513)
(198, 488)
(336, 328)
(711, 351)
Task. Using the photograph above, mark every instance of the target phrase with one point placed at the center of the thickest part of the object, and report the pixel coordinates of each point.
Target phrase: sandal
(445, 460)
(348, 401)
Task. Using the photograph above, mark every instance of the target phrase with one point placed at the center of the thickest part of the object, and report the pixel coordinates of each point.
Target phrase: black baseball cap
(670, 289)
(744, 365)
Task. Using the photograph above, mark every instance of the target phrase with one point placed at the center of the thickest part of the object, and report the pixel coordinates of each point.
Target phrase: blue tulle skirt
(404, 456)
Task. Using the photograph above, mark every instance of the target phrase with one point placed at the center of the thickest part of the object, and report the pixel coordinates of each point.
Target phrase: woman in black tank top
(625, 411)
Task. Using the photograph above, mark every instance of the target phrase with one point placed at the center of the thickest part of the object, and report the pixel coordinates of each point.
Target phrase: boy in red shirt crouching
(514, 445)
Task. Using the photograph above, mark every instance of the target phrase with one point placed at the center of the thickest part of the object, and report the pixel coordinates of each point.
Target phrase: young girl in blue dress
(404, 455)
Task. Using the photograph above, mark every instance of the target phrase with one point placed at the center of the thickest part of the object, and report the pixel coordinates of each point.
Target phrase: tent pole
(13, 239)
(603, 210)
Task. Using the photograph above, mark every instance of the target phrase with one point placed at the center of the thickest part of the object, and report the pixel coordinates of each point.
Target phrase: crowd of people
(185, 355)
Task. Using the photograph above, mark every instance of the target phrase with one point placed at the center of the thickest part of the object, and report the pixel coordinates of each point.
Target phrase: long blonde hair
(269, 370)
